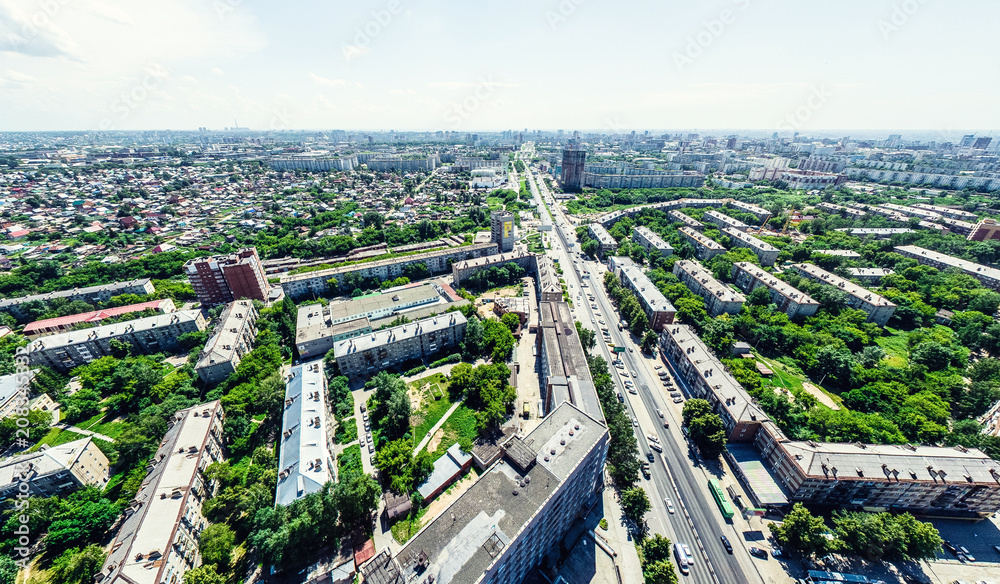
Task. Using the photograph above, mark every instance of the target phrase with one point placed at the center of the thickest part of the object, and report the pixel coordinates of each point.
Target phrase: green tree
(661, 572)
(708, 434)
(120, 349)
(511, 321)
(656, 548)
(695, 408)
(77, 566)
(588, 338)
(635, 504)
(205, 574)
(649, 341)
(216, 545)
(8, 569)
(802, 532)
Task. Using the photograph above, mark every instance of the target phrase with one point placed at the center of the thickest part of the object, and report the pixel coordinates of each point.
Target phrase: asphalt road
(674, 474)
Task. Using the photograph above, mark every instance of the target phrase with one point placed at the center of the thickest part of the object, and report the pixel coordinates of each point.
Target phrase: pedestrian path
(444, 418)
(84, 432)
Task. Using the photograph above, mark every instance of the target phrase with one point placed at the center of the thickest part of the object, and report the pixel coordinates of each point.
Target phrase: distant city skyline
(849, 67)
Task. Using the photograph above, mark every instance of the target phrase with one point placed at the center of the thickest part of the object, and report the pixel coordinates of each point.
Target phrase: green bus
(720, 499)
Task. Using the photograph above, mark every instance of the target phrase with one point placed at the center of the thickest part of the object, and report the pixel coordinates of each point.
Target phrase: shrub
(416, 370)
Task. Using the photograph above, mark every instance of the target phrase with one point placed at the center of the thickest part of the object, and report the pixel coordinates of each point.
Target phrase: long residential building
(608, 244)
(989, 277)
(724, 221)
(234, 336)
(760, 213)
(516, 513)
(658, 309)
(709, 379)
(305, 462)
(158, 539)
(876, 232)
(645, 237)
(315, 331)
(986, 230)
(565, 374)
(464, 269)
(316, 283)
(767, 254)
(925, 480)
(688, 221)
(153, 334)
(91, 294)
(949, 212)
(957, 226)
(54, 470)
(795, 304)
(879, 309)
(718, 297)
(912, 211)
(221, 279)
(869, 275)
(946, 181)
(841, 210)
(61, 324)
(704, 247)
(371, 353)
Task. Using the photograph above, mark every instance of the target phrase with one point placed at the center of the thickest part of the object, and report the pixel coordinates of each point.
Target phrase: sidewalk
(65, 426)
(444, 418)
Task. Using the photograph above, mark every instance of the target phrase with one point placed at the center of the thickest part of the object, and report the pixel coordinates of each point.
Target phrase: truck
(645, 470)
(527, 410)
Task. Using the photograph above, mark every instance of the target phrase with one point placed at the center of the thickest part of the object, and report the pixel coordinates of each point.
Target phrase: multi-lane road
(676, 473)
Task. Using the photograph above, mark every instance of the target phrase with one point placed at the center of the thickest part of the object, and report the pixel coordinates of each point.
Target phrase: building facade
(724, 221)
(62, 324)
(658, 309)
(748, 277)
(65, 351)
(879, 309)
(598, 232)
(989, 277)
(704, 247)
(90, 294)
(649, 240)
(687, 220)
(369, 354)
(217, 280)
(158, 539)
(767, 254)
(234, 336)
(305, 462)
(718, 297)
(573, 163)
(502, 230)
(54, 470)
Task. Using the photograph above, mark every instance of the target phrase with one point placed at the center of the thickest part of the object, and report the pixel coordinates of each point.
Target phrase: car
(678, 400)
(658, 367)
(687, 552)
(635, 422)
(652, 438)
(594, 306)
(632, 390)
(726, 544)
(758, 553)
(776, 552)
(670, 506)
(665, 384)
(656, 446)
(630, 350)
(666, 425)
(621, 397)
(675, 394)
(659, 412)
(967, 553)
(649, 456)
(362, 408)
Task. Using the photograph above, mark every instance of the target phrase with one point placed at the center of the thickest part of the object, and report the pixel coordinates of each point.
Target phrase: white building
(305, 463)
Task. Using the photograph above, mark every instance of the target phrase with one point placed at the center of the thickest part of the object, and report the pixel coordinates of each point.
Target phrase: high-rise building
(982, 143)
(502, 230)
(966, 140)
(217, 280)
(572, 169)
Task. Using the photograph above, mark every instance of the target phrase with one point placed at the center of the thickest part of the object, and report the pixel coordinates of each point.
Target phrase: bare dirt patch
(819, 395)
(437, 506)
(435, 440)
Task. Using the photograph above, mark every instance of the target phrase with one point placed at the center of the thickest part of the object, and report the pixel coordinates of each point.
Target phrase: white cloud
(352, 52)
(15, 79)
(217, 71)
(402, 92)
(320, 80)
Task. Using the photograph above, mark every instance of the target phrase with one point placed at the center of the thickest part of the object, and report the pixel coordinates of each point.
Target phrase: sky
(539, 64)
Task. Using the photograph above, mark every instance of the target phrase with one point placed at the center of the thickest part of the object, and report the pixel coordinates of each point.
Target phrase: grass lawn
(460, 425)
(57, 437)
(895, 347)
(347, 431)
(431, 410)
(494, 203)
(404, 529)
(782, 378)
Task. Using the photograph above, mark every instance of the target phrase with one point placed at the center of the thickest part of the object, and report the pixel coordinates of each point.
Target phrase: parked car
(967, 553)
(675, 394)
(687, 552)
(758, 553)
(726, 544)
(678, 400)
(776, 552)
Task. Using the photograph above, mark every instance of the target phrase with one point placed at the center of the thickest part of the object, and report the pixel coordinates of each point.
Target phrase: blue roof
(305, 463)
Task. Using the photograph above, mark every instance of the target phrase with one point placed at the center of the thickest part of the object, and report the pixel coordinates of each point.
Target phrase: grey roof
(602, 235)
(46, 461)
(9, 385)
(461, 543)
(649, 294)
(114, 330)
(569, 372)
(726, 219)
(748, 239)
(221, 347)
(399, 333)
(844, 253)
(419, 257)
(773, 283)
(384, 303)
(701, 239)
(446, 468)
(708, 281)
(971, 268)
(869, 272)
(304, 439)
(86, 291)
(649, 235)
(822, 276)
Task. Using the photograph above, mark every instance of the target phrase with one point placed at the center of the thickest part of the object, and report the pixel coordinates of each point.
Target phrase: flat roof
(567, 358)
(463, 541)
(45, 461)
(723, 218)
(869, 272)
(708, 281)
(971, 268)
(94, 315)
(878, 461)
(764, 487)
(602, 235)
(492, 259)
(649, 294)
(398, 333)
(822, 276)
(649, 235)
(304, 440)
(113, 330)
(221, 347)
(844, 253)
(772, 282)
(446, 467)
(701, 239)
(397, 300)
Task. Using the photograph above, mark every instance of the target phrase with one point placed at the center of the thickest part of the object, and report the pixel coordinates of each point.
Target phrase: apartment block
(724, 221)
(565, 374)
(158, 539)
(704, 246)
(748, 277)
(234, 336)
(709, 379)
(987, 276)
(912, 211)
(985, 230)
(767, 254)
(687, 220)
(217, 280)
(957, 226)
(91, 294)
(516, 513)
(879, 309)
(718, 297)
(315, 331)
(55, 470)
(841, 210)
(462, 270)
(62, 324)
(841, 253)
(760, 213)
(305, 461)
(608, 244)
(924, 480)
(869, 275)
(153, 334)
(876, 232)
(645, 237)
(502, 230)
(317, 283)
(369, 354)
(658, 309)
(949, 212)
(549, 287)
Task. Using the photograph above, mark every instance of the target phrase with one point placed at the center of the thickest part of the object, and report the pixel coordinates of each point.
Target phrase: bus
(720, 499)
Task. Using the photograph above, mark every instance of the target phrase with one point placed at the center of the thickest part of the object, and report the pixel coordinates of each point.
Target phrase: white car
(670, 506)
